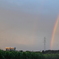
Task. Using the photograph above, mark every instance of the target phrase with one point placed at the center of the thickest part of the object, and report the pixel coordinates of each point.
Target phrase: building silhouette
(10, 48)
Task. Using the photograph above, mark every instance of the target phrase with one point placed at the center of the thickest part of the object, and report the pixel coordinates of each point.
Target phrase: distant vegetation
(29, 55)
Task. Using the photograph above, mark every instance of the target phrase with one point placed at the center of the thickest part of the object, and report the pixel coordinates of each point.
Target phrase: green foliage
(27, 55)
(2, 54)
(20, 55)
(51, 56)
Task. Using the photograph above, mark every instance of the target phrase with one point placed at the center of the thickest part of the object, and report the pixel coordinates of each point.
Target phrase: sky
(25, 23)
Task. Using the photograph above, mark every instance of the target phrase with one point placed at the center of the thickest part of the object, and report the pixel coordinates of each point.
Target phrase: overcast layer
(25, 23)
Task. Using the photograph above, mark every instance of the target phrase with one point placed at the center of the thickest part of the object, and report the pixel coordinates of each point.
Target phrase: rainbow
(54, 31)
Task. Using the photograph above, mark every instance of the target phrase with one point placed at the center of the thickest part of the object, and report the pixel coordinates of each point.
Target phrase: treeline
(28, 55)
(20, 55)
(50, 51)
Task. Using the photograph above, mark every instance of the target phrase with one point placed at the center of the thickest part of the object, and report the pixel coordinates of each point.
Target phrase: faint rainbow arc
(54, 31)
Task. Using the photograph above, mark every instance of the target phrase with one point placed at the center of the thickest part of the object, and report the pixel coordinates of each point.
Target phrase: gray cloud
(26, 30)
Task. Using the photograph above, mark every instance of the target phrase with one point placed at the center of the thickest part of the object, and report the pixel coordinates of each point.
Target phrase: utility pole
(44, 43)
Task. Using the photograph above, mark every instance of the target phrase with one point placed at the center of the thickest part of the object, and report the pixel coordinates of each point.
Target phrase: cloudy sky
(25, 23)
